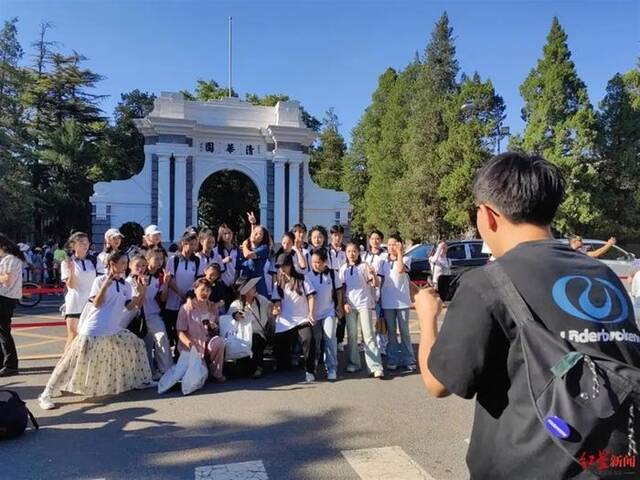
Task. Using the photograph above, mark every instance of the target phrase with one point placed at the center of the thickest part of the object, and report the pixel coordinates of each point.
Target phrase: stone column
(180, 218)
(278, 200)
(294, 193)
(164, 194)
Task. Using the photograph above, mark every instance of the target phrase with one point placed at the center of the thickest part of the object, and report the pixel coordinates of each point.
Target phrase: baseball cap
(112, 232)
(152, 230)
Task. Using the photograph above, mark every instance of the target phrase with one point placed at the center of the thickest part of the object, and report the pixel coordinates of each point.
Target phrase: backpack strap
(515, 305)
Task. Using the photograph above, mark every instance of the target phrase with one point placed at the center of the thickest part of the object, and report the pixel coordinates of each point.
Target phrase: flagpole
(230, 77)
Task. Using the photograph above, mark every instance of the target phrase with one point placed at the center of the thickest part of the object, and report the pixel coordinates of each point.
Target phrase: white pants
(157, 343)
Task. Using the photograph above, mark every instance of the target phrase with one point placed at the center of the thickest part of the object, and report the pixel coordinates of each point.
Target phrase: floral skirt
(97, 366)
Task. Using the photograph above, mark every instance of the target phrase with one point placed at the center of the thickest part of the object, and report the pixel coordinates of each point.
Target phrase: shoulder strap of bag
(516, 306)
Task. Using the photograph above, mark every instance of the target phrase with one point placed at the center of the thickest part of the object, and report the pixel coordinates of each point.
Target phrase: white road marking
(387, 463)
(233, 471)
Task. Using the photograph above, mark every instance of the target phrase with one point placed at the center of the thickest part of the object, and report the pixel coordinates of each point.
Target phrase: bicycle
(32, 293)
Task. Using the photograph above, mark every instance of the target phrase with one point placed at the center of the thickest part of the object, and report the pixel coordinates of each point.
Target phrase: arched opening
(225, 197)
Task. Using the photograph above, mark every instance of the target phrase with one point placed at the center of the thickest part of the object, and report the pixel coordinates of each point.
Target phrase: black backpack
(14, 416)
(587, 403)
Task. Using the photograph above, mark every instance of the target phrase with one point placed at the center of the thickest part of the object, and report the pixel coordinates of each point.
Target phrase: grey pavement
(276, 427)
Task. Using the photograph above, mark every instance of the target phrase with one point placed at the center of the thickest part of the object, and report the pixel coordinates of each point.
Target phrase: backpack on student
(195, 258)
(587, 403)
(14, 416)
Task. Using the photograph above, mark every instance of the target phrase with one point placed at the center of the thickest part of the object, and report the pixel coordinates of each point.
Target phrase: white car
(618, 259)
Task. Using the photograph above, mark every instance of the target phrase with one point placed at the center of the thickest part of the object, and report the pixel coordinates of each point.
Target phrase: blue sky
(325, 53)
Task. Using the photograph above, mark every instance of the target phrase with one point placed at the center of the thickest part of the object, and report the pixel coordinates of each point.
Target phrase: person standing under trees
(11, 260)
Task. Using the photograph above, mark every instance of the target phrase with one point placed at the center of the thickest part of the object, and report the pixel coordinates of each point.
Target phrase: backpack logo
(582, 307)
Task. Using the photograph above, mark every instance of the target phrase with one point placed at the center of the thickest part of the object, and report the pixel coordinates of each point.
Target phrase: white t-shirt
(184, 276)
(395, 291)
(78, 296)
(206, 260)
(228, 270)
(107, 319)
(375, 259)
(12, 266)
(150, 304)
(294, 307)
(322, 284)
(101, 265)
(336, 258)
(358, 291)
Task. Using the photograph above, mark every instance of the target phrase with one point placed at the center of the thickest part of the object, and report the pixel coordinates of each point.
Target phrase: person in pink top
(197, 326)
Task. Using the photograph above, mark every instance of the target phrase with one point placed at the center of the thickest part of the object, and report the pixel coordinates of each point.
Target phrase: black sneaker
(8, 372)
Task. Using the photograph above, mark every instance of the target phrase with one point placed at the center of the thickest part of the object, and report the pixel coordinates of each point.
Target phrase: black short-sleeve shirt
(572, 295)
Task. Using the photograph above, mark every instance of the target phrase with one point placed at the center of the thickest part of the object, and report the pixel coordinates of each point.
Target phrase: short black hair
(377, 232)
(524, 188)
(396, 236)
(337, 229)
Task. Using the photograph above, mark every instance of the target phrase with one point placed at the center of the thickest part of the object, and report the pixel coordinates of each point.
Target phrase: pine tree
(619, 155)
(325, 163)
(561, 126)
(16, 199)
(427, 130)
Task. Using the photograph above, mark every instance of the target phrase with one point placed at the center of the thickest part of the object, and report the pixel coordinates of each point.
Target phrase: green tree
(426, 131)
(208, 90)
(562, 127)
(472, 136)
(619, 155)
(122, 151)
(16, 198)
(325, 163)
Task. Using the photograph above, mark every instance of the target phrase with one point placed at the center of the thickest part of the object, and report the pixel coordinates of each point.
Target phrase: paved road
(273, 428)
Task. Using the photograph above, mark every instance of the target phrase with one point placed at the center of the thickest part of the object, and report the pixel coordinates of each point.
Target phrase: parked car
(464, 254)
(618, 259)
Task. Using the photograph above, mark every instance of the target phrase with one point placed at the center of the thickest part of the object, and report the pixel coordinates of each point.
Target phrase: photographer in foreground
(571, 302)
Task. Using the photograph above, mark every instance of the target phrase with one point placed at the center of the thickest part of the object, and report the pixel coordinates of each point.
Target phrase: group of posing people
(130, 315)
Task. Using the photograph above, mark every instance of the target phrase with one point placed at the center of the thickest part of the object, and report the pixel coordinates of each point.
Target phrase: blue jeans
(399, 318)
(325, 328)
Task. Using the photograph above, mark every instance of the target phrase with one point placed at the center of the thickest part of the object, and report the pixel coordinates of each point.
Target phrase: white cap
(23, 247)
(152, 230)
(112, 232)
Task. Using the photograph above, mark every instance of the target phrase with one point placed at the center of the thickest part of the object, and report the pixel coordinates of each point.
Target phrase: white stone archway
(186, 142)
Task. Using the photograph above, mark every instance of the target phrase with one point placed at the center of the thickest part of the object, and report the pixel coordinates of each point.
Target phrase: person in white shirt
(11, 261)
(207, 252)
(253, 307)
(440, 264)
(149, 267)
(336, 258)
(78, 272)
(104, 358)
(185, 268)
(328, 307)
(112, 243)
(294, 308)
(375, 256)
(228, 255)
(395, 298)
(360, 280)
(299, 231)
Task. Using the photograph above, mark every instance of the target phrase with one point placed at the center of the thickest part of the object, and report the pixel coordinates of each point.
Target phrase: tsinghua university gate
(187, 141)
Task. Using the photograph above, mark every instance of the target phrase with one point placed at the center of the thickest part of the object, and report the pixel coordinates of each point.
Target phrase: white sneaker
(332, 375)
(352, 368)
(378, 374)
(309, 377)
(45, 402)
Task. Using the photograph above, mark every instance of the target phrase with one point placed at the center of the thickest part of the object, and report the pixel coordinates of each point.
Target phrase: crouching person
(197, 327)
(255, 309)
